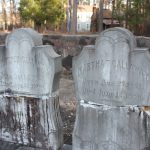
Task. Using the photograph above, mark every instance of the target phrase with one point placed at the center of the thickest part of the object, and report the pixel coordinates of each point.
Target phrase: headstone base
(31, 122)
(111, 128)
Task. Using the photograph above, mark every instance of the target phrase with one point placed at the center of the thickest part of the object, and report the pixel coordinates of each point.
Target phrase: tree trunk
(69, 16)
(4, 13)
(74, 18)
(113, 9)
(126, 16)
(100, 18)
(147, 19)
(12, 13)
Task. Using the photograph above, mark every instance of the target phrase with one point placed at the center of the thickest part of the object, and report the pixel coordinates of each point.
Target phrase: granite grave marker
(114, 71)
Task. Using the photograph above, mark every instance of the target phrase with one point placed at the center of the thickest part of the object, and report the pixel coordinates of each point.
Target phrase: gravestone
(29, 103)
(111, 72)
(112, 82)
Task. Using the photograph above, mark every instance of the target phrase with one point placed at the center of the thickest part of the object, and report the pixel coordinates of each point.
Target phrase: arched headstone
(114, 71)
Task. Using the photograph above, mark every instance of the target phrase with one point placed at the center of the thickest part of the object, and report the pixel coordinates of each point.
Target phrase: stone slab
(67, 147)
(12, 146)
(111, 128)
(31, 122)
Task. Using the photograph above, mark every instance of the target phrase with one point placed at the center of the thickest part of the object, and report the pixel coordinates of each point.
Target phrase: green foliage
(133, 12)
(119, 11)
(42, 11)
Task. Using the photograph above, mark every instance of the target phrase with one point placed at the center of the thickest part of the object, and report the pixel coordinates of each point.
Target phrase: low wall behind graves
(143, 41)
(69, 44)
(73, 44)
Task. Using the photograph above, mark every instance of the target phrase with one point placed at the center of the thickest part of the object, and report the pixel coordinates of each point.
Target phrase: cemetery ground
(67, 105)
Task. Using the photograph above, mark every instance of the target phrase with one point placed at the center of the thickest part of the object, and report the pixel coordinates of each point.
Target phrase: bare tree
(4, 13)
(12, 13)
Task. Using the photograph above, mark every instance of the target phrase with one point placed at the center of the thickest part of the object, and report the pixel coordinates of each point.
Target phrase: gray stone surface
(67, 147)
(12, 146)
(114, 71)
(111, 128)
(29, 103)
(143, 41)
(27, 67)
(31, 121)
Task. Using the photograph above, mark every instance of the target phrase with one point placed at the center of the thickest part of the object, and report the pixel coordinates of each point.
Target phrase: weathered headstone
(29, 103)
(112, 81)
(111, 72)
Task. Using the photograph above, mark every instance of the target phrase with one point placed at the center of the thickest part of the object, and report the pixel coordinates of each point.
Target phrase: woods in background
(32, 13)
(9, 15)
(131, 14)
(42, 12)
(134, 15)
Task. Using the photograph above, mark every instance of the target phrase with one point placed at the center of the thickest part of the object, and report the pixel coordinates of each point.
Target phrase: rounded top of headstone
(118, 33)
(25, 34)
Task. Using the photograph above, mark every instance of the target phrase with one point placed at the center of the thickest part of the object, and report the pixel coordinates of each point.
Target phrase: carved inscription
(106, 90)
(107, 145)
(112, 80)
(21, 60)
(117, 65)
(28, 81)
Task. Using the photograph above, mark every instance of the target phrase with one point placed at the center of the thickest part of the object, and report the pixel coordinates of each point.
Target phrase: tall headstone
(29, 103)
(112, 81)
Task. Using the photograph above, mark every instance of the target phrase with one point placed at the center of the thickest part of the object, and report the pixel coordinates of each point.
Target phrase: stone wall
(143, 41)
(69, 44)
(2, 38)
(73, 44)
